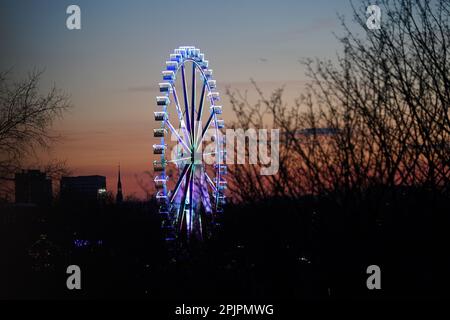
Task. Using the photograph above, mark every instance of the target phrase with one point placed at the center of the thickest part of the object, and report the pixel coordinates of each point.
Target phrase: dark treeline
(277, 249)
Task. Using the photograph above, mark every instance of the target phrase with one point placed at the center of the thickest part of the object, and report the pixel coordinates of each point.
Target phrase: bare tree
(26, 117)
(377, 116)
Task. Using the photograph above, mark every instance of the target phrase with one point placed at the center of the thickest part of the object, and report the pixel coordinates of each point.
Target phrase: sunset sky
(111, 67)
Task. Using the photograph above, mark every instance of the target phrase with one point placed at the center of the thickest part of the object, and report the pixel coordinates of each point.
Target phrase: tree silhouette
(375, 118)
(26, 116)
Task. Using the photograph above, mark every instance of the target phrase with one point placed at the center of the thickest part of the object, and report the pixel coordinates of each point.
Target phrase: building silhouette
(119, 195)
(33, 187)
(83, 189)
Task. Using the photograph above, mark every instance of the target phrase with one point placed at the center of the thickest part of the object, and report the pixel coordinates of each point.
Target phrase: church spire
(119, 196)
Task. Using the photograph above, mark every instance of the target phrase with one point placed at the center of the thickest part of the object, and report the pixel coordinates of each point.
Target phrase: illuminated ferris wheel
(190, 171)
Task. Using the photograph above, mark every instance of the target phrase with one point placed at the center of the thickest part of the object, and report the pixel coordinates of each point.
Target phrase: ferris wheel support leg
(183, 201)
(191, 203)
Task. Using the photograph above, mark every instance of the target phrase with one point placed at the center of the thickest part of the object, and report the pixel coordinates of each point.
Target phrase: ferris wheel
(190, 171)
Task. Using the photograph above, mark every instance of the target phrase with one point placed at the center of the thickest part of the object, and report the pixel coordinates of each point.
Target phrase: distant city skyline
(111, 67)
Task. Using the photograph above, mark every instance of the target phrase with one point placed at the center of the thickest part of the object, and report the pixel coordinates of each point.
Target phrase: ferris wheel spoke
(205, 198)
(202, 99)
(178, 160)
(211, 183)
(179, 182)
(180, 140)
(193, 102)
(200, 109)
(180, 117)
(208, 123)
(186, 101)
